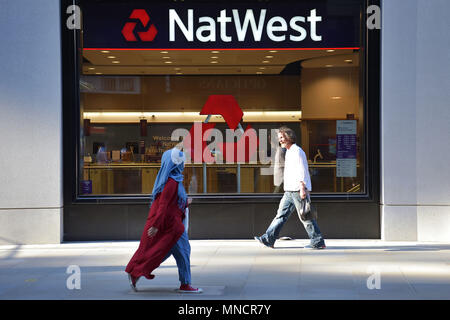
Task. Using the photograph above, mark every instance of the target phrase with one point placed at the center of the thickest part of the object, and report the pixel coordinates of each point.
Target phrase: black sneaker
(260, 240)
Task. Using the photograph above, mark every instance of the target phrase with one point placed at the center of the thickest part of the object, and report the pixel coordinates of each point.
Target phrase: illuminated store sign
(276, 27)
(306, 24)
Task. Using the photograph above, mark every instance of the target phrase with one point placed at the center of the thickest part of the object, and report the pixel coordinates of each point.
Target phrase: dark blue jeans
(289, 202)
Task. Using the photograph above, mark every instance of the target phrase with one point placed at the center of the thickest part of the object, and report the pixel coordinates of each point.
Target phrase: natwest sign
(158, 25)
(255, 22)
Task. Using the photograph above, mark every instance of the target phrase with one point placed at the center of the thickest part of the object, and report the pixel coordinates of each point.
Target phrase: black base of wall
(94, 222)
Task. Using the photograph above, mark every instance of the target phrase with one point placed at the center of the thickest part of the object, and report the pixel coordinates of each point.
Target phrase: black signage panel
(223, 25)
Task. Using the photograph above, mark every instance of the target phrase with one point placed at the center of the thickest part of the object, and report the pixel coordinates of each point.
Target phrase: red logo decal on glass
(143, 17)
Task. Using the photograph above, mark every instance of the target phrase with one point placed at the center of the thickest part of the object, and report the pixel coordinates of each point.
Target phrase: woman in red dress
(164, 232)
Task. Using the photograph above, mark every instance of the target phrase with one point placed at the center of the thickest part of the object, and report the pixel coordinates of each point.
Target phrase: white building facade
(414, 202)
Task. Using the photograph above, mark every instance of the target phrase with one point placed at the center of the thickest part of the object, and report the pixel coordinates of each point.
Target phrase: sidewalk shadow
(281, 248)
(171, 291)
(392, 248)
(385, 248)
(14, 250)
(121, 268)
(389, 248)
(420, 248)
(158, 290)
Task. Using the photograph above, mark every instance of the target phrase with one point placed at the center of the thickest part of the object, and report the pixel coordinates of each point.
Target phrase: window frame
(71, 67)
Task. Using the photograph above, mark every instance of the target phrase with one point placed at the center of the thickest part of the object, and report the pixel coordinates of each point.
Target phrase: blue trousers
(181, 251)
(289, 202)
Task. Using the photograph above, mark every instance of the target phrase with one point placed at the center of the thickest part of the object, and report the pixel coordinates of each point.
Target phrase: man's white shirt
(296, 169)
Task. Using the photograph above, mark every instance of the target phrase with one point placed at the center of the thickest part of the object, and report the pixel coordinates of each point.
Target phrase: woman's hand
(152, 232)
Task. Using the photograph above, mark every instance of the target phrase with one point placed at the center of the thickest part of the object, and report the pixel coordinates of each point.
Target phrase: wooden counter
(138, 178)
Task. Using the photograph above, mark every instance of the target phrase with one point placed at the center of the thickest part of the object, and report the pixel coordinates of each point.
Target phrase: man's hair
(289, 133)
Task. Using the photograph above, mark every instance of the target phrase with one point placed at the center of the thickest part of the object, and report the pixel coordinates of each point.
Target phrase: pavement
(232, 270)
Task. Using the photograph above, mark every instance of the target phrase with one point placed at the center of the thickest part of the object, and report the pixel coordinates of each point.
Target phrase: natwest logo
(144, 19)
(277, 28)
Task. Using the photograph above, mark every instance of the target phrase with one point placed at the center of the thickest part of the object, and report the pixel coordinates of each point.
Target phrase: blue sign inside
(346, 146)
(86, 186)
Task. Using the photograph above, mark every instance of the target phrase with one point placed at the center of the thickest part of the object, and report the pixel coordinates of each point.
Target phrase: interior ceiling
(195, 62)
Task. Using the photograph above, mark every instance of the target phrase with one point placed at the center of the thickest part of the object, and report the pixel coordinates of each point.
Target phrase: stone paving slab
(233, 270)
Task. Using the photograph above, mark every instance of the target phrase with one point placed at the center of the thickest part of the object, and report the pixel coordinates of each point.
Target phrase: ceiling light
(91, 68)
(215, 51)
(177, 69)
(116, 62)
(104, 51)
(336, 98)
(329, 66)
(259, 72)
(269, 57)
(167, 61)
(273, 51)
(348, 61)
(330, 50)
(164, 52)
(111, 57)
(265, 61)
(214, 57)
(214, 61)
(187, 117)
(166, 57)
(98, 73)
(179, 72)
(262, 68)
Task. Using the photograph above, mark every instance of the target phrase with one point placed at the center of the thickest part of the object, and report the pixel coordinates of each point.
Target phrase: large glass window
(137, 103)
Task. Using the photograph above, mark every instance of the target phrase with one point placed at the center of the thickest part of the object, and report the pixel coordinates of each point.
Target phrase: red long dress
(167, 217)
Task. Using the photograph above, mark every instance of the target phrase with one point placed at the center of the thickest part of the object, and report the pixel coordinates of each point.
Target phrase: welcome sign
(199, 25)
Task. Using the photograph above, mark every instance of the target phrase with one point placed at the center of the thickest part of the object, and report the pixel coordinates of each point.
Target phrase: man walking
(297, 185)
